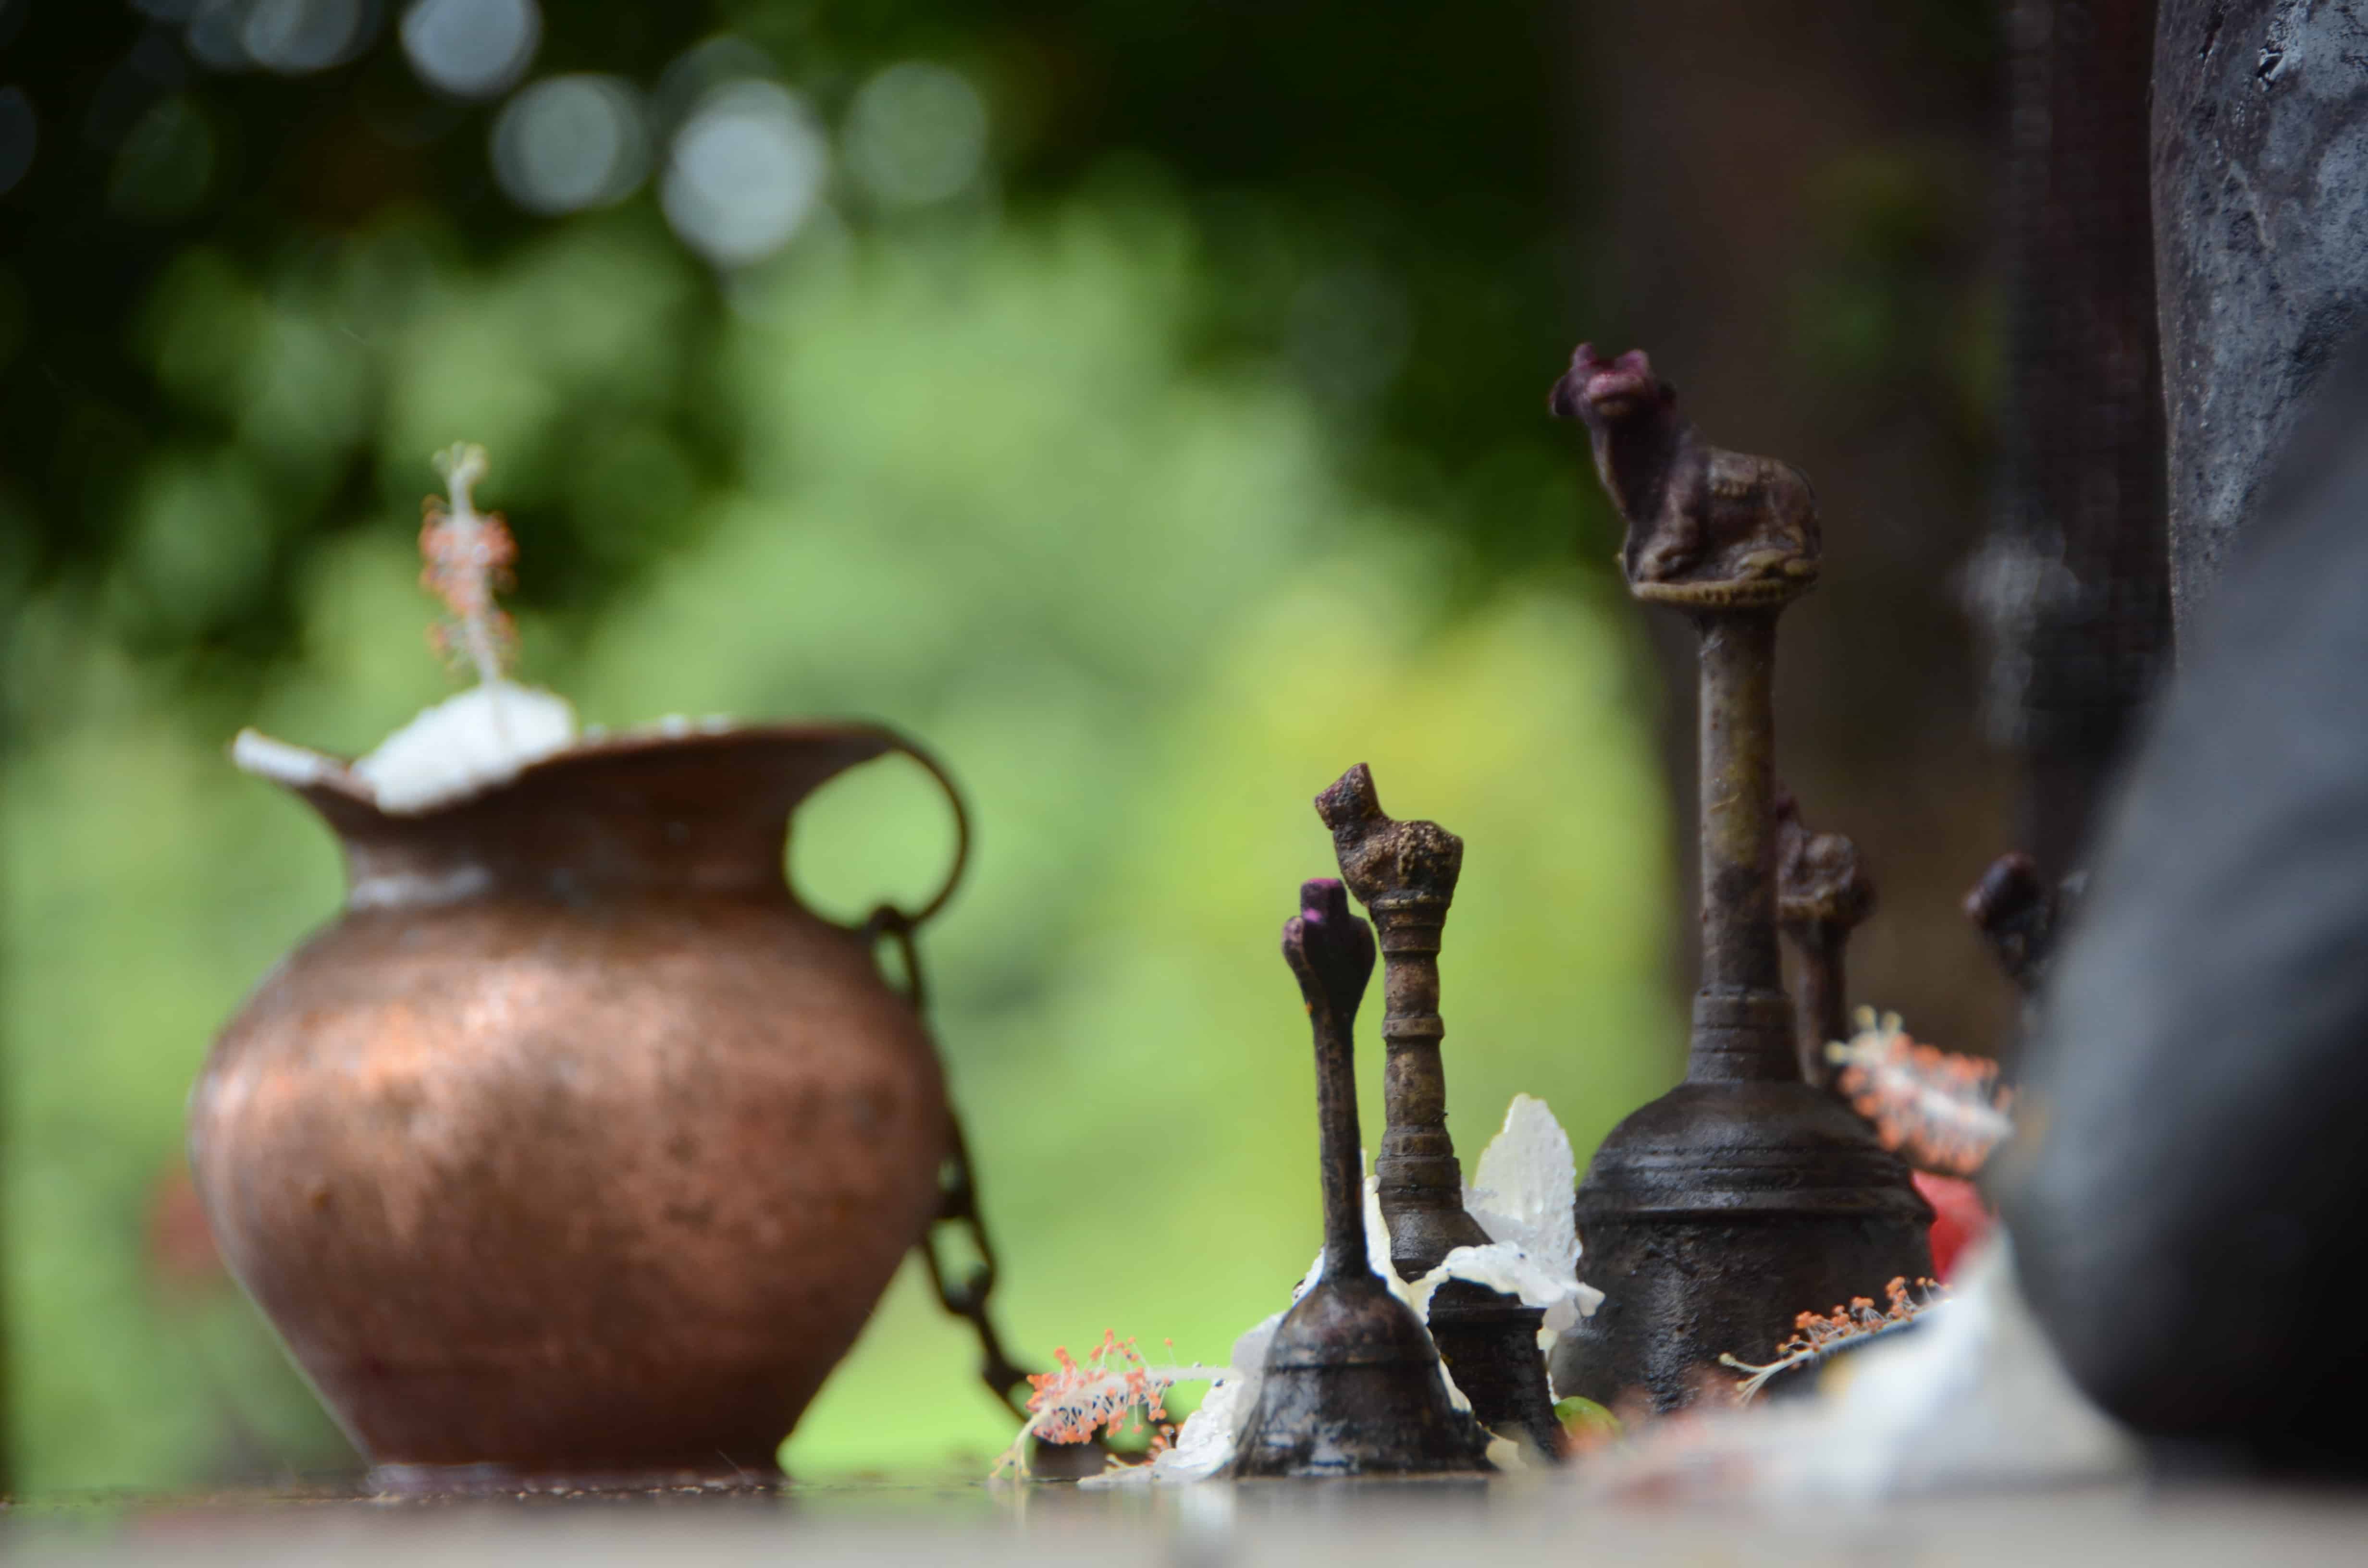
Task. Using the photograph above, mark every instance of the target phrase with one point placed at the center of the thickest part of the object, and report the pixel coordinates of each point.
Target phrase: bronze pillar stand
(1352, 1385)
(1404, 874)
(1744, 1197)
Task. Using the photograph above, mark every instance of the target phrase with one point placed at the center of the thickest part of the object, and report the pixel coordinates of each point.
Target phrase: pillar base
(1490, 1343)
(1714, 1217)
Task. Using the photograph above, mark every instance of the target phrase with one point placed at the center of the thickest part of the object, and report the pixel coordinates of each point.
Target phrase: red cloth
(1960, 1218)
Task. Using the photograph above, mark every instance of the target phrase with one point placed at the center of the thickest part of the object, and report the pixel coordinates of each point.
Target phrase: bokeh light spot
(917, 133)
(294, 37)
(472, 48)
(699, 70)
(214, 35)
(746, 169)
(570, 143)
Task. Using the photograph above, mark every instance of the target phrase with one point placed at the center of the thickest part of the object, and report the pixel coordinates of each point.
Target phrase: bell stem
(1340, 1148)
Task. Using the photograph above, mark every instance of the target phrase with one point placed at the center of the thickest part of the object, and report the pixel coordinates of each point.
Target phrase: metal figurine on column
(1404, 874)
(1742, 1197)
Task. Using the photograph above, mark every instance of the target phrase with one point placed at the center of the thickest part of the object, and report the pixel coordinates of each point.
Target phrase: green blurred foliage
(1192, 457)
(1374, 195)
(983, 494)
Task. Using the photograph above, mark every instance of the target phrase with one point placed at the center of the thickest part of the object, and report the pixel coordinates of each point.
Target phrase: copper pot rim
(662, 739)
(329, 783)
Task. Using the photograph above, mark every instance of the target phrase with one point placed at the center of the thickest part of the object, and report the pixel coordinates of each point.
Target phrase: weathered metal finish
(1489, 1340)
(1823, 894)
(1351, 1384)
(1742, 1197)
(575, 1144)
(1404, 874)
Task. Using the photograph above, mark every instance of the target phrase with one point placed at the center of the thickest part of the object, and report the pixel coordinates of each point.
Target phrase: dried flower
(1814, 1338)
(468, 557)
(475, 739)
(1079, 1401)
(1942, 1111)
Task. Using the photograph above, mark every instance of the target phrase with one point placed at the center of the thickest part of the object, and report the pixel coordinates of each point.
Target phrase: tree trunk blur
(2072, 587)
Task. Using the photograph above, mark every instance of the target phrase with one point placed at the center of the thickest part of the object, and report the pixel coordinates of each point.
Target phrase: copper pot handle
(914, 919)
(895, 924)
(966, 1295)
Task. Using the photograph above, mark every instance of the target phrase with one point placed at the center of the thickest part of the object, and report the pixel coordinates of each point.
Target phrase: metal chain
(967, 1296)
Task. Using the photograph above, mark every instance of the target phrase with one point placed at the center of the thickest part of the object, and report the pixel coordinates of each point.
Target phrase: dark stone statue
(2261, 219)
(2189, 1196)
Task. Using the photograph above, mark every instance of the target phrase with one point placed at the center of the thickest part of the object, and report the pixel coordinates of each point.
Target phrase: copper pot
(574, 1145)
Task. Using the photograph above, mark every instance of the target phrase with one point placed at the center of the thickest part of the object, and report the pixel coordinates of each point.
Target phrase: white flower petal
(464, 745)
(1520, 1190)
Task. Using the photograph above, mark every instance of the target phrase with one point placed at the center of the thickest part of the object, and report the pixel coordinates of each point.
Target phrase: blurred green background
(1140, 403)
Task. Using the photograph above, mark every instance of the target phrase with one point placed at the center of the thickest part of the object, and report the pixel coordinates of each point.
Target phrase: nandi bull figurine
(1742, 1197)
(1706, 527)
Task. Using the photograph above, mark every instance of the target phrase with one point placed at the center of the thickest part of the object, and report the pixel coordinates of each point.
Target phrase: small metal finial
(1352, 1385)
(1405, 873)
(2019, 915)
(1823, 894)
